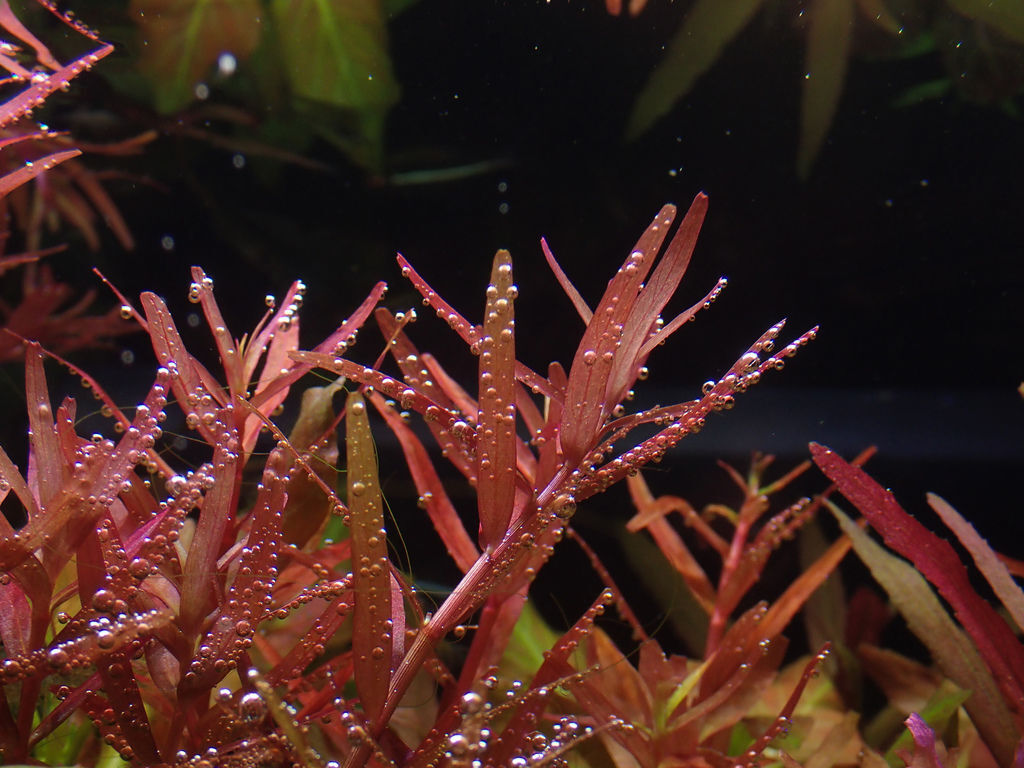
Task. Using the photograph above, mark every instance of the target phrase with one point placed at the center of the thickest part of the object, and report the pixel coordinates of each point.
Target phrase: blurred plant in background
(43, 183)
(981, 44)
(319, 68)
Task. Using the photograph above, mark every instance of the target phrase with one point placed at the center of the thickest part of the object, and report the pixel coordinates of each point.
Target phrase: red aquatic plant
(187, 619)
(684, 710)
(42, 76)
(62, 187)
(68, 189)
(528, 489)
(69, 192)
(110, 589)
(982, 655)
(51, 313)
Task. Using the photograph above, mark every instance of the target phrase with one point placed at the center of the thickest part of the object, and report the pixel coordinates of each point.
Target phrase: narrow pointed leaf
(29, 171)
(828, 50)
(657, 292)
(939, 563)
(192, 380)
(585, 408)
(496, 417)
(803, 586)
(230, 359)
(200, 586)
(35, 94)
(949, 646)
(47, 466)
(985, 558)
(577, 300)
(371, 569)
(709, 26)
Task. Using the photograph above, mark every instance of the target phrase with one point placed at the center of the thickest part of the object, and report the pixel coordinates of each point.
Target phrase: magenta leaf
(925, 754)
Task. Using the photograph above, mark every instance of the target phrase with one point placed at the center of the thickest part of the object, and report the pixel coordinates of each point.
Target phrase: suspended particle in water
(226, 64)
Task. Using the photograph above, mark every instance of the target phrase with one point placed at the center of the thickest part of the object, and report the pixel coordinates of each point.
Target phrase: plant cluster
(189, 627)
(159, 613)
(171, 616)
(61, 188)
(979, 44)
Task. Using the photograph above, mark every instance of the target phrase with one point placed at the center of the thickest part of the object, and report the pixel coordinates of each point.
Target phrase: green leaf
(182, 40)
(919, 94)
(709, 26)
(828, 48)
(531, 638)
(335, 52)
(672, 595)
(1007, 16)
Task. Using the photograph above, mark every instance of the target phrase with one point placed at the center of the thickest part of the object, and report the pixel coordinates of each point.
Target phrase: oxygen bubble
(226, 64)
(471, 703)
(564, 506)
(139, 568)
(458, 744)
(251, 708)
(105, 639)
(103, 600)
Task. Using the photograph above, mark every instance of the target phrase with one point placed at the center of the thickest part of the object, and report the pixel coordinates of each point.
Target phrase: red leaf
(585, 404)
(496, 417)
(939, 563)
(430, 490)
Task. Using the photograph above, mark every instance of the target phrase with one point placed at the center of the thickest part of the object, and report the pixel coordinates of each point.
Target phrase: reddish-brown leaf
(496, 415)
(202, 587)
(939, 563)
(430, 490)
(586, 407)
(371, 569)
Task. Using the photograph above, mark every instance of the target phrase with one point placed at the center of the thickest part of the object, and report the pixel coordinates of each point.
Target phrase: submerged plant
(42, 76)
(979, 41)
(527, 489)
(178, 619)
(61, 188)
(979, 651)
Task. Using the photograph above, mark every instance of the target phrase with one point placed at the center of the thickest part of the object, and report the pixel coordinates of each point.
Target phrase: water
(903, 242)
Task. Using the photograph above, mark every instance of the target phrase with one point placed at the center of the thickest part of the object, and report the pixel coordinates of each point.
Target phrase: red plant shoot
(158, 596)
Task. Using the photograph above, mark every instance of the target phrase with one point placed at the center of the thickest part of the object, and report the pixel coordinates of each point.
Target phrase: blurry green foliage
(980, 42)
(319, 61)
